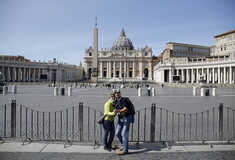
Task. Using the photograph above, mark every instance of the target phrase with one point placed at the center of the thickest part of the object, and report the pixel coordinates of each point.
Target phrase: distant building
(19, 69)
(194, 64)
(122, 60)
(225, 44)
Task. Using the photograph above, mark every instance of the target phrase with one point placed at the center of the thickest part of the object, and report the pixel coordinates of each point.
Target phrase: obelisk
(94, 75)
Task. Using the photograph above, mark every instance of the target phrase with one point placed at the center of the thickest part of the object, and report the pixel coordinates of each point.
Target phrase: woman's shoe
(112, 148)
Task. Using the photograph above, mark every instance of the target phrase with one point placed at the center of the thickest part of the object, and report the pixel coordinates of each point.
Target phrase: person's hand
(116, 111)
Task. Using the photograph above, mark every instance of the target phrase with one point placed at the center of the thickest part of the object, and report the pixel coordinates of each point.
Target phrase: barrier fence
(151, 124)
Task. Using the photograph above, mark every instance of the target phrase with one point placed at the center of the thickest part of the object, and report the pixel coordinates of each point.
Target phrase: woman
(108, 124)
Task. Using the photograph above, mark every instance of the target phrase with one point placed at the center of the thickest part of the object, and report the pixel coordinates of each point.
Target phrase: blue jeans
(122, 131)
(108, 130)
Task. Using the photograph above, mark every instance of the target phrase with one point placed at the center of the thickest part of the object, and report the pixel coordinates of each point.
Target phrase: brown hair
(112, 95)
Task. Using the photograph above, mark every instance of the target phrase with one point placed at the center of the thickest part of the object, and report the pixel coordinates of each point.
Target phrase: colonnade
(220, 71)
(36, 72)
(130, 69)
(25, 74)
(209, 75)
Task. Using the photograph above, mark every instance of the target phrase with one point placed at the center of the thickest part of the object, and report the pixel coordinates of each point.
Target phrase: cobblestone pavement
(219, 155)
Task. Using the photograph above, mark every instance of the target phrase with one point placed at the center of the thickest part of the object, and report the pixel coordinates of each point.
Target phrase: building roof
(122, 42)
(225, 33)
(188, 45)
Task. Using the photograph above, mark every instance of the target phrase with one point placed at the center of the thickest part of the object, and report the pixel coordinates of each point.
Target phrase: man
(124, 120)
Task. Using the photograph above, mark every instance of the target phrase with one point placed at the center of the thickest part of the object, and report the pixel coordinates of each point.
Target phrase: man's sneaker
(121, 153)
(107, 148)
(120, 148)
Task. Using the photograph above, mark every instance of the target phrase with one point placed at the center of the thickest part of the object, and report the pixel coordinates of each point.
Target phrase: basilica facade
(121, 61)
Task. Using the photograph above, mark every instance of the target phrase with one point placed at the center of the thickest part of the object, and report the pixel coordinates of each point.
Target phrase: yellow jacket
(108, 110)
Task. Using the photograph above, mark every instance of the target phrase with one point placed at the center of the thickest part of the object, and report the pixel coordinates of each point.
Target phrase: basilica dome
(122, 42)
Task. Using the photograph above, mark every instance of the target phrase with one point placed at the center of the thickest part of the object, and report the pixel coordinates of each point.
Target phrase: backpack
(131, 107)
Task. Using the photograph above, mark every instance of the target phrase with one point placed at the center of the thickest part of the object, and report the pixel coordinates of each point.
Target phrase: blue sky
(62, 29)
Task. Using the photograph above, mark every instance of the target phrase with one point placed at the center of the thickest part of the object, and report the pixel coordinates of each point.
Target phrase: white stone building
(19, 69)
(192, 63)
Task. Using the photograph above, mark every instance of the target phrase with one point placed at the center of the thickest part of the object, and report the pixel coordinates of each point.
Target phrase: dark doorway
(89, 73)
(146, 73)
(166, 75)
(104, 74)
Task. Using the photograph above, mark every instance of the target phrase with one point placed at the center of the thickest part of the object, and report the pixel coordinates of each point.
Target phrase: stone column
(233, 75)
(170, 75)
(120, 71)
(183, 75)
(213, 75)
(18, 77)
(134, 69)
(23, 74)
(127, 69)
(13, 74)
(141, 69)
(187, 75)
(197, 76)
(208, 75)
(218, 74)
(110, 69)
(230, 75)
(3, 70)
(8, 73)
(59, 73)
(125, 66)
(114, 69)
(224, 75)
(29, 76)
(39, 74)
(192, 75)
(101, 70)
(49, 75)
(202, 71)
(16, 73)
(150, 71)
(107, 69)
(34, 74)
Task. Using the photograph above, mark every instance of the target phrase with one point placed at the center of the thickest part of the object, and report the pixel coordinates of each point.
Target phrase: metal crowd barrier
(78, 124)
